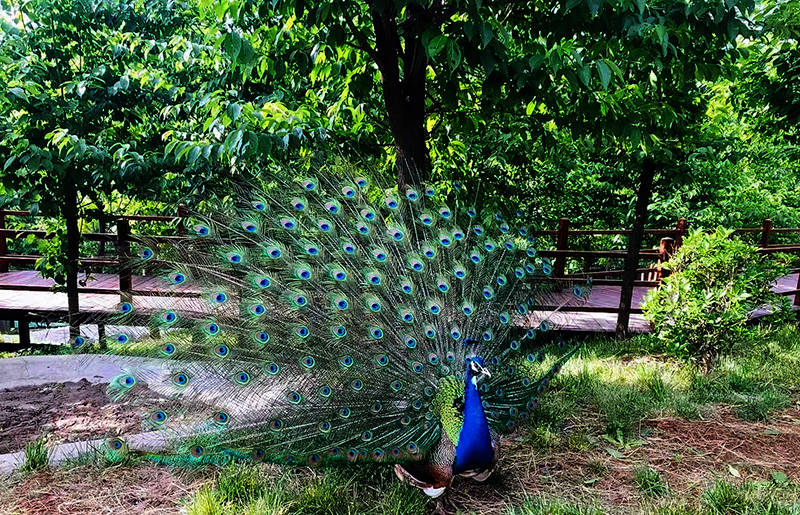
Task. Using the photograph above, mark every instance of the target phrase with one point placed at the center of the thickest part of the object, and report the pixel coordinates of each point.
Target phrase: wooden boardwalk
(27, 292)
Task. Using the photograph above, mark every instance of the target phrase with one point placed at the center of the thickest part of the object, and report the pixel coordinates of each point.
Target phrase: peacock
(330, 319)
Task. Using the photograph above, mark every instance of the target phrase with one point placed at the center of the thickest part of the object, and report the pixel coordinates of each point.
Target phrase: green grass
(541, 506)
(649, 482)
(752, 497)
(625, 382)
(242, 488)
(37, 456)
(719, 498)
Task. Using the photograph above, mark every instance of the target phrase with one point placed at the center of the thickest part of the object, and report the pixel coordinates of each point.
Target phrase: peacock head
(476, 370)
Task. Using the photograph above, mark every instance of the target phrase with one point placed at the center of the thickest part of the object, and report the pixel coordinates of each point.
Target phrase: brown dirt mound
(685, 450)
(142, 488)
(66, 412)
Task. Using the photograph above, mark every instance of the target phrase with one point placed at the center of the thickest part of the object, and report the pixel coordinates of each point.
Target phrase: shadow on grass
(623, 383)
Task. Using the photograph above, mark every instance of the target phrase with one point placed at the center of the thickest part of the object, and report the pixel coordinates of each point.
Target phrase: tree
(459, 68)
(770, 76)
(92, 86)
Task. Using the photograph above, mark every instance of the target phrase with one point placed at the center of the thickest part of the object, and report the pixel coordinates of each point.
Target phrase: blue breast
(474, 449)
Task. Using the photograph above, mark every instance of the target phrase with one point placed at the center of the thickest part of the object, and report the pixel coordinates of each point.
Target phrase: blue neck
(474, 450)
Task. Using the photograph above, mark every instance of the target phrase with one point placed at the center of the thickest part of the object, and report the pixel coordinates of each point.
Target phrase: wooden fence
(670, 239)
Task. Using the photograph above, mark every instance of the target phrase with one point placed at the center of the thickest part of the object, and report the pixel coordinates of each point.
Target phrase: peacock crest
(331, 320)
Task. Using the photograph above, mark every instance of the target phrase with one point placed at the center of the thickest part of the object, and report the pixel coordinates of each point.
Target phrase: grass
(242, 488)
(753, 497)
(649, 482)
(37, 456)
(553, 507)
(593, 446)
(625, 383)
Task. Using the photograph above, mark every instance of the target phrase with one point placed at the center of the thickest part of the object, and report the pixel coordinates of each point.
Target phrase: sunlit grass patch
(541, 506)
(247, 488)
(750, 497)
(37, 456)
(650, 482)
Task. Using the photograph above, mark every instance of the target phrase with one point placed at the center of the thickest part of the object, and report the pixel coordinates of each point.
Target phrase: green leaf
(436, 45)
(615, 453)
(486, 34)
(779, 477)
(234, 111)
(571, 4)
(194, 154)
(529, 108)
(454, 55)
(585, 74)
(535, 61)
(19, 93)
(488, 61)
(604, 72)
(233, 45)
(233, 141)
(322, 12)
(555, 61)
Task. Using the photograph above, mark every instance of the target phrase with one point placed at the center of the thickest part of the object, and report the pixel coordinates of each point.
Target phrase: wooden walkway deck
(101, 296)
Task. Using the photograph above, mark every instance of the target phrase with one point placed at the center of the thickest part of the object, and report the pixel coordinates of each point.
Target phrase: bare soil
(65, 412)
(141, 488)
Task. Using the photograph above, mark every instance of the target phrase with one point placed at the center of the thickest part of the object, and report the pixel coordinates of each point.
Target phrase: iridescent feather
(334, 320)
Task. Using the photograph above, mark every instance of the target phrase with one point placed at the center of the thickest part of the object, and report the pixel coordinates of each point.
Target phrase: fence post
(766, 232)
(124, 251)
(561, 244)
(797, 295)
(665, 251)
(681, 230)
(70, 212)
(24, 330)
(183, 212)
(3, 247)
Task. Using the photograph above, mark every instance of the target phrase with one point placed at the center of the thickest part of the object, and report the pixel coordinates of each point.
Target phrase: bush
(701, 309)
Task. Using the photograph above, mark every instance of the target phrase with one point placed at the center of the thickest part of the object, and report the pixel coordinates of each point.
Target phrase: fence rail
(649, 276)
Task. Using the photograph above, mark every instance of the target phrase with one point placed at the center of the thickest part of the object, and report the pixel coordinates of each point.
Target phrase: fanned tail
(320, 320)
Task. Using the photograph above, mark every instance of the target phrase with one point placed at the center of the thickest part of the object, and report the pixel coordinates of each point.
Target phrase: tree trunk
(634, 244)
(70, 211)
(413, 161)
(404, 94)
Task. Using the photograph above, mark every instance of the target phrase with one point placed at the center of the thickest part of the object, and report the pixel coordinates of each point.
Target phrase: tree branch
(363, 42)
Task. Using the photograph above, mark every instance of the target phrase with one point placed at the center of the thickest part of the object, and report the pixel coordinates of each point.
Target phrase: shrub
(701, 309)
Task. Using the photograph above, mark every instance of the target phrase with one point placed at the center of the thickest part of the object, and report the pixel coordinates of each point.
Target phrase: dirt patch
(686, 450)
(141, 488)
(688, 453)
(66, 412)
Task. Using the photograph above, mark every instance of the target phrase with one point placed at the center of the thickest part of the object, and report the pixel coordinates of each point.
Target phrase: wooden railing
(670, 240)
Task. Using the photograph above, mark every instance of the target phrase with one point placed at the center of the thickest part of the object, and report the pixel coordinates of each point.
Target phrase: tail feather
(315, 321)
